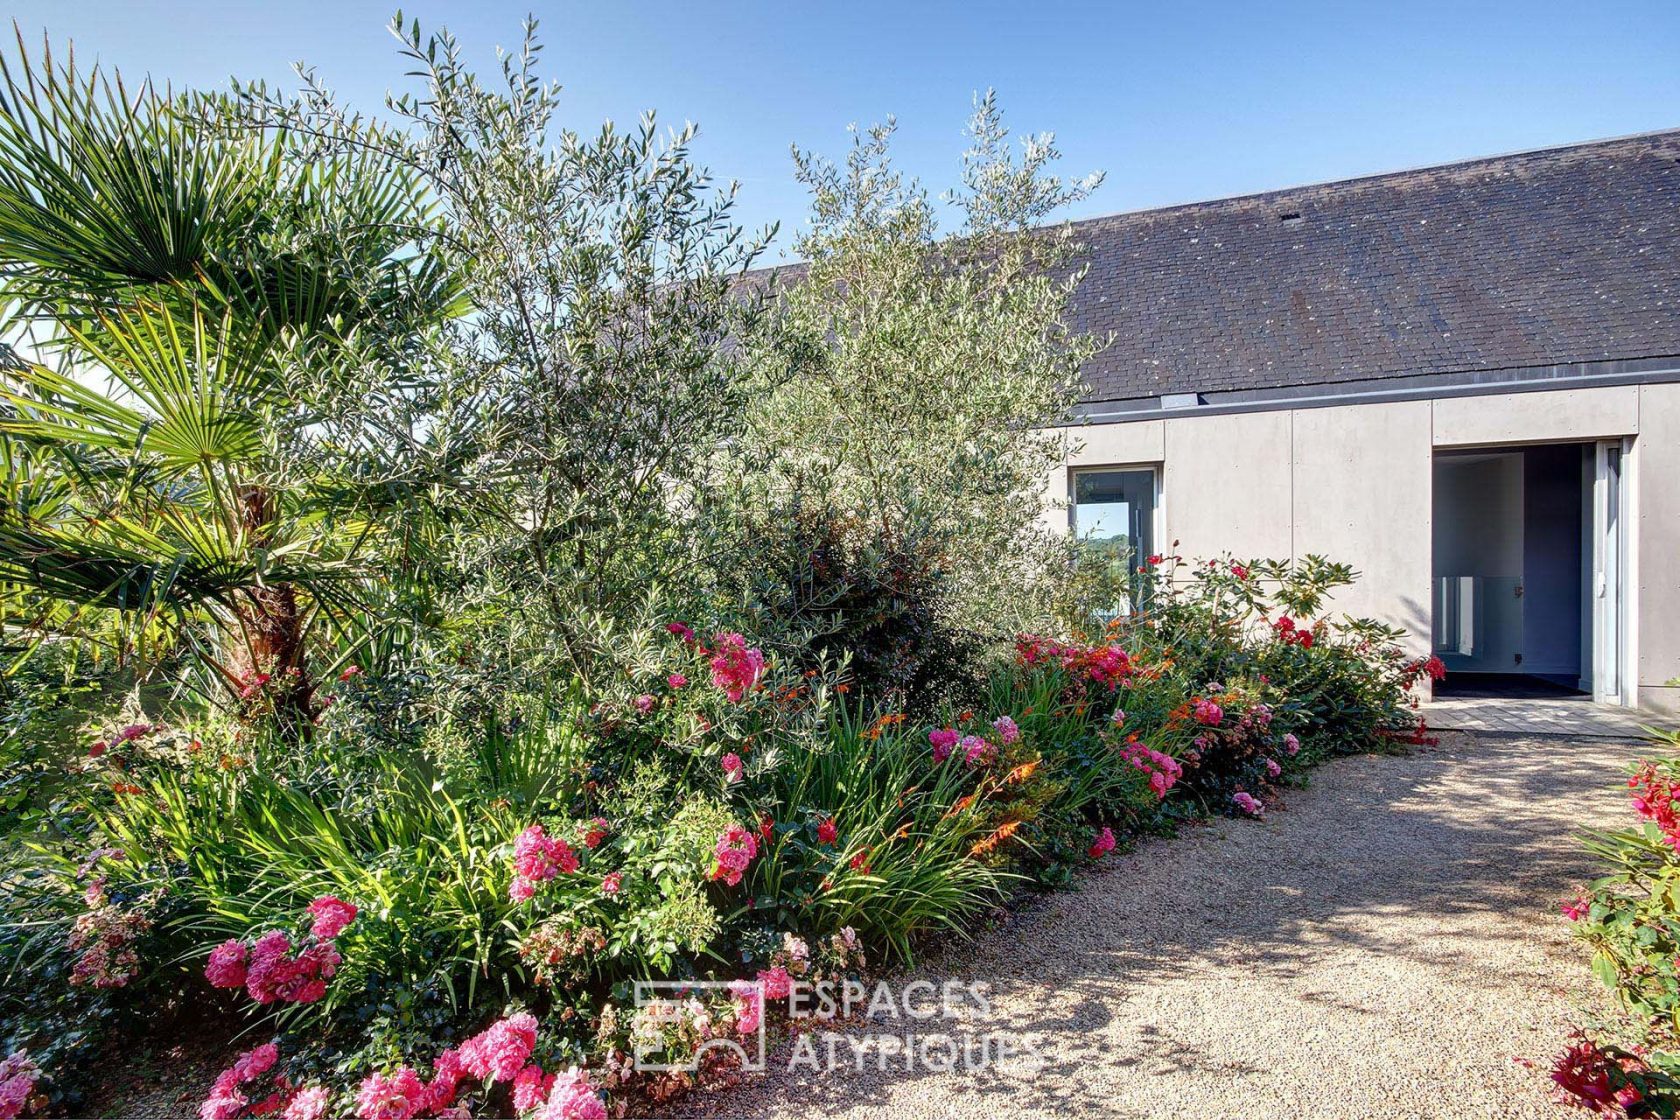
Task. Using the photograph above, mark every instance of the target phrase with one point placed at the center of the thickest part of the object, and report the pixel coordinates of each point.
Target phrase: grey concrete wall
(1656, 547)
(1229, 485)
(1362, 496)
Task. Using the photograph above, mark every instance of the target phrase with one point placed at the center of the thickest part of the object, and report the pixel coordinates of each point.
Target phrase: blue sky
(1175, 101)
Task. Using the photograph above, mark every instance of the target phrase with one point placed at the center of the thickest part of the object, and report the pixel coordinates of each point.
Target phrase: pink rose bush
(748, 999)
(1163, 770)
(272, 970)
(1108, 666)
(537, 858)
(1628, 1063)
(735, 849)
(1103, 844)
(501, 1054)
(1207, 712)
(332, 916)
(736, 667)
(733, 768)
(18, 1077)
(231, 1095)
(106, 940)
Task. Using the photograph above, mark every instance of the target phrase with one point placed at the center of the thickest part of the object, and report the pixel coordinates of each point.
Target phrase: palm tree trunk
(272, 644)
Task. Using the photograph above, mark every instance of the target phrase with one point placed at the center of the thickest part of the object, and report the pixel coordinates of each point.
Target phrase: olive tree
(914, 373)
(601, 270)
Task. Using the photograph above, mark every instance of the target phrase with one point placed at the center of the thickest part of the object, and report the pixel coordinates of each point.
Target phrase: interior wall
(1552, 507)
(1478, 515)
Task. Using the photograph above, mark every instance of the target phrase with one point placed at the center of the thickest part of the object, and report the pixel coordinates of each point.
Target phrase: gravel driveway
(1385, 944)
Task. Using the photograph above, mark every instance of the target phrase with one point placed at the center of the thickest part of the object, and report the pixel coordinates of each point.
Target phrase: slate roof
(1559, 256)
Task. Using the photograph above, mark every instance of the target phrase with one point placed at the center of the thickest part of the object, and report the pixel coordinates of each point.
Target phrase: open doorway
(1527, 560)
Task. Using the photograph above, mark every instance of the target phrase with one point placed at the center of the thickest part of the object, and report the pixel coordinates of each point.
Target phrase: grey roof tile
(1549, 257)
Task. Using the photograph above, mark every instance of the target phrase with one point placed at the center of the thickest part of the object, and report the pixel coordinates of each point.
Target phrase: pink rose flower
(400, 1096)
(308, 1104)
(736, 667)
(331, 916)
(1103, 844)
(734, 851)
(777, 983)
(226, 967)
(733, 768)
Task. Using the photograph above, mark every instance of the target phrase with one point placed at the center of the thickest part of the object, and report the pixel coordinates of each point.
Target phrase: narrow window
(1113, 514)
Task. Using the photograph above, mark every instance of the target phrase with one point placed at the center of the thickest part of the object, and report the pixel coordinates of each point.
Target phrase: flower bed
(1630, 917)
(448, 933)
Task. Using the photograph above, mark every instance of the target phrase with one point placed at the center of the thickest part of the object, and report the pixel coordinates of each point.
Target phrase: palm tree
(207, 324)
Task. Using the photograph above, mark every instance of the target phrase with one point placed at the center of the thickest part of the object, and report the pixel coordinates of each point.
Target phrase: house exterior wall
(1655, 503)
(1354, 483)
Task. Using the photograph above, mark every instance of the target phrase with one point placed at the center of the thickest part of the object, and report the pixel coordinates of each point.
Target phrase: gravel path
(1386, 944)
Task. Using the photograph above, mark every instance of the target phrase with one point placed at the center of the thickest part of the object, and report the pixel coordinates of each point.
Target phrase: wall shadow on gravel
(1449, 835)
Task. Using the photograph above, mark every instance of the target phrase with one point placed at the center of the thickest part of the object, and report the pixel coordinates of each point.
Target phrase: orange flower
(961, 806)
(990, 843)
(1022, 772)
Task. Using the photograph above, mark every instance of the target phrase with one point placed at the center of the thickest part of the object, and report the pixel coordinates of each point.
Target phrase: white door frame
(1612, 672)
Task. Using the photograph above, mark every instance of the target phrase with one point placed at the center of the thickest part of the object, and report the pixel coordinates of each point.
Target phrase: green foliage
(1630, 918)
(834, 590)
(219, 313)
(601, 271)
(899, 868)
(913, 376)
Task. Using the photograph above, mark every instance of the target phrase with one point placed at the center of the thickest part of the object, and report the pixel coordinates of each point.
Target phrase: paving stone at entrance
(1580, 718)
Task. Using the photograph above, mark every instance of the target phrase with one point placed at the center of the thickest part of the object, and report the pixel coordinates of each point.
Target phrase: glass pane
(1114, 513)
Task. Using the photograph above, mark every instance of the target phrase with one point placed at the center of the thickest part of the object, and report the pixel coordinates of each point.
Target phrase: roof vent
(1290, 218)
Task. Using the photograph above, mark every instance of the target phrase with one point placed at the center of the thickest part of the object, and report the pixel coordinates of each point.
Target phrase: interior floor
(1510, 686)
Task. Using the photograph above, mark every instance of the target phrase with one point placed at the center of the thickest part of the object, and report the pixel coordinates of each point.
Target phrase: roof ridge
(1373, 176)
